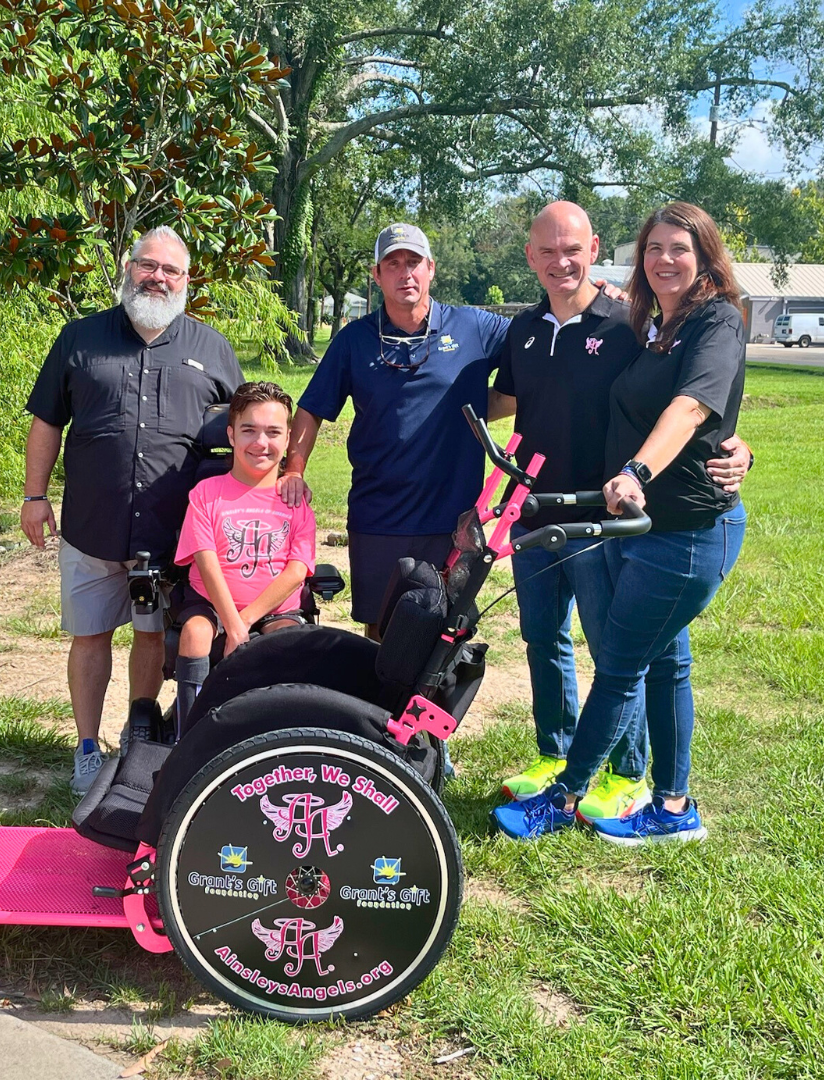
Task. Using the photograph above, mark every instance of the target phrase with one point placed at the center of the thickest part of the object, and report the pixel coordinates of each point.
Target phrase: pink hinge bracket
(422, 715)
(134, 908)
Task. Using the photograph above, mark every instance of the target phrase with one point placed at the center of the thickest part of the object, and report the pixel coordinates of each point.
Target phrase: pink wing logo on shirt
(593, 345)
(252, 541)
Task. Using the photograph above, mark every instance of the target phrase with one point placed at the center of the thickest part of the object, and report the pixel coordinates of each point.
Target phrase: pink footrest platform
(47, 876)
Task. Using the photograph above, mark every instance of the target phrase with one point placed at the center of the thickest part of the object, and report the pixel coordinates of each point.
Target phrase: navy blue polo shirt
(561, 376)
(135, 412)
(415, 463)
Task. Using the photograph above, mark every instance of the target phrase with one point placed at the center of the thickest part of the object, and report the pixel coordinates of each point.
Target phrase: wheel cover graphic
(378, 868)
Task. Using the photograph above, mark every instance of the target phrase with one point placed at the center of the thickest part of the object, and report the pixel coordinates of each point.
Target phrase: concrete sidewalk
(28, 1053)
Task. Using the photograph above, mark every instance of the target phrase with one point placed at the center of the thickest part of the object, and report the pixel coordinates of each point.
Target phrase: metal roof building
(763, 302)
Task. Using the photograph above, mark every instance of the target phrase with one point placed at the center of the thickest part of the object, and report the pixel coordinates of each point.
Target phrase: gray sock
(190, 672)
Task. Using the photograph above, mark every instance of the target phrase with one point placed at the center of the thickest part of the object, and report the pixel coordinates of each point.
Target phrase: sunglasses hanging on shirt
(413, 343)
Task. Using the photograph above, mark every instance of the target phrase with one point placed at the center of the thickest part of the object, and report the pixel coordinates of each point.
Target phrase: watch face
(641, 470)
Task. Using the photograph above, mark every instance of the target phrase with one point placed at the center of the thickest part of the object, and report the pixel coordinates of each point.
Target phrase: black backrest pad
(263, 710)
(412, 619)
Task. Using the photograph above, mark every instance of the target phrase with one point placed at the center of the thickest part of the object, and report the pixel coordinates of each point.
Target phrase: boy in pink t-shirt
(249, 552)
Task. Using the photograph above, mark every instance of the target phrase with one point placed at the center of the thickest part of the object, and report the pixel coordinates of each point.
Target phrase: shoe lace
(91, 762)
(539, 767)
(611, 781)
(537, 810)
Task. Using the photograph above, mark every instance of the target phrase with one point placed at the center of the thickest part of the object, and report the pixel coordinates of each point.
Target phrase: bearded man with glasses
(131, 385)
(408, 367)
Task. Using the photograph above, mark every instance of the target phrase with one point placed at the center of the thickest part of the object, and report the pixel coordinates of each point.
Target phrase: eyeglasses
(150, 266)
(411, 341)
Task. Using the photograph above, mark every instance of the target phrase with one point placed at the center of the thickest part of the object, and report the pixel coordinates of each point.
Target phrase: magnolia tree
(141, 109)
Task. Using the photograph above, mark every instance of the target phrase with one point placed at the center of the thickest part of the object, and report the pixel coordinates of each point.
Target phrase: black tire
(787, 344)
(386, 825)
(804, 341)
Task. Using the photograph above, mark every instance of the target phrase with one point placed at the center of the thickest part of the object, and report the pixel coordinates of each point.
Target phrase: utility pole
(715, 110)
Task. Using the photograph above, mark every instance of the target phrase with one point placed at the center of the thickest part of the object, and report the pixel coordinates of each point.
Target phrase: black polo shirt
(706, 362)
(135, 411)
(561, 377)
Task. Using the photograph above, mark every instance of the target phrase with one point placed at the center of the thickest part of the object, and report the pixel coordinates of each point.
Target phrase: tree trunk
(293, 203)
(310, 285)
(338, 301)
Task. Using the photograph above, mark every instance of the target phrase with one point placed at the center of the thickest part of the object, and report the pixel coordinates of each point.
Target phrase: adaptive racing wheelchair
(292, 847)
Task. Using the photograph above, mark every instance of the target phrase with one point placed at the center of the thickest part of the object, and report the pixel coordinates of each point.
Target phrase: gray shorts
(94, 595)
(372, 560)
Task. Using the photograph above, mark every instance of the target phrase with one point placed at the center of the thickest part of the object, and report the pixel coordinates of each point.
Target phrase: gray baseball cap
(401, 236)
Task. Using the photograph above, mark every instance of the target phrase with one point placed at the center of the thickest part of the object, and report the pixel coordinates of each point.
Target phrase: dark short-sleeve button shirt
(415, 463)
(561, 377)
(134, 412)
(706, 362)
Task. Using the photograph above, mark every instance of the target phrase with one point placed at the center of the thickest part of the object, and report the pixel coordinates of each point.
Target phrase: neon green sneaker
(614, 797)
(535, 779)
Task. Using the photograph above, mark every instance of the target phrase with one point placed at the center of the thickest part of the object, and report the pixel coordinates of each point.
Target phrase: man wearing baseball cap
(408, 367)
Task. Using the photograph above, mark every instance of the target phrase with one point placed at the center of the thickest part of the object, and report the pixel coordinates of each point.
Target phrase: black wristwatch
(639, 470)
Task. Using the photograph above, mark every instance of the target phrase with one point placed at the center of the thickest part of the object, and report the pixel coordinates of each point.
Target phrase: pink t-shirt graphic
(253, 533)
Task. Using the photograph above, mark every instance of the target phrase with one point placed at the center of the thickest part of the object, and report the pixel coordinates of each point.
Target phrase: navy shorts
(373, 558)
(187, 602)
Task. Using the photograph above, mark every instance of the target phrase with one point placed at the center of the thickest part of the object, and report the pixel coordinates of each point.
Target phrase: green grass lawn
(668, 963)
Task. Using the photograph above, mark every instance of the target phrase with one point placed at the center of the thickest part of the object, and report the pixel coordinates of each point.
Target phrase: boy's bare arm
(236, 629)
(289, 579)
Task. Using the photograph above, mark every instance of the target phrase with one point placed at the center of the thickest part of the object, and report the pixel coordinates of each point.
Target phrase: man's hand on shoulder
(292, 488)
(33, 516)
(612, 291)
(729, 472)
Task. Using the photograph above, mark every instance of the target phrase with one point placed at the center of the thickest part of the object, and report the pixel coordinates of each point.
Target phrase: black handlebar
(494, 452)
(633, 521)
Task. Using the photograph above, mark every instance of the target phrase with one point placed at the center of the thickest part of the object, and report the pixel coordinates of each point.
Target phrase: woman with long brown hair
(669, 412)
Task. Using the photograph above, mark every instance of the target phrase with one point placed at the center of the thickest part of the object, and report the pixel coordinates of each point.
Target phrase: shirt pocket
(185, 393)
(98, 398)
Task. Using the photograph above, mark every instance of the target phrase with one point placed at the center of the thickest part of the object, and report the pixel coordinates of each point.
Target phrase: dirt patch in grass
(370, 1058)
(554, 1008)
(21, 788)
(365, 1058)
(485, 891)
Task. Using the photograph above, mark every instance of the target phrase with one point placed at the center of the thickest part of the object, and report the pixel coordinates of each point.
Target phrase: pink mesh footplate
(47, 875)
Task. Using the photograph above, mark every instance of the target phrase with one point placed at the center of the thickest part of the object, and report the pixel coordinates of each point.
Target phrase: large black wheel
(804, 341)
(309, 874)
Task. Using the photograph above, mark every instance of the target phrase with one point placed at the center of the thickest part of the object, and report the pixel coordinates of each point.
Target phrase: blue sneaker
(532, 818)
(653, 824)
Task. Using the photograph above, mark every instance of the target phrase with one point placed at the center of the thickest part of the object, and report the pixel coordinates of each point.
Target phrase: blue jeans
(545, 604)
(661, 582)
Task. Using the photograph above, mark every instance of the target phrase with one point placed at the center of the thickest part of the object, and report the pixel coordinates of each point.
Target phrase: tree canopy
(583, 92)
(142, 108)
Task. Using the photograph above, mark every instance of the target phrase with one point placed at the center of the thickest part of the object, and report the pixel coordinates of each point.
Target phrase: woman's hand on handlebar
(622, 488)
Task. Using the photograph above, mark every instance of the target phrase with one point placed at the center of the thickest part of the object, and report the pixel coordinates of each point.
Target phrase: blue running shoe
(532, 818)
(653, 824)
